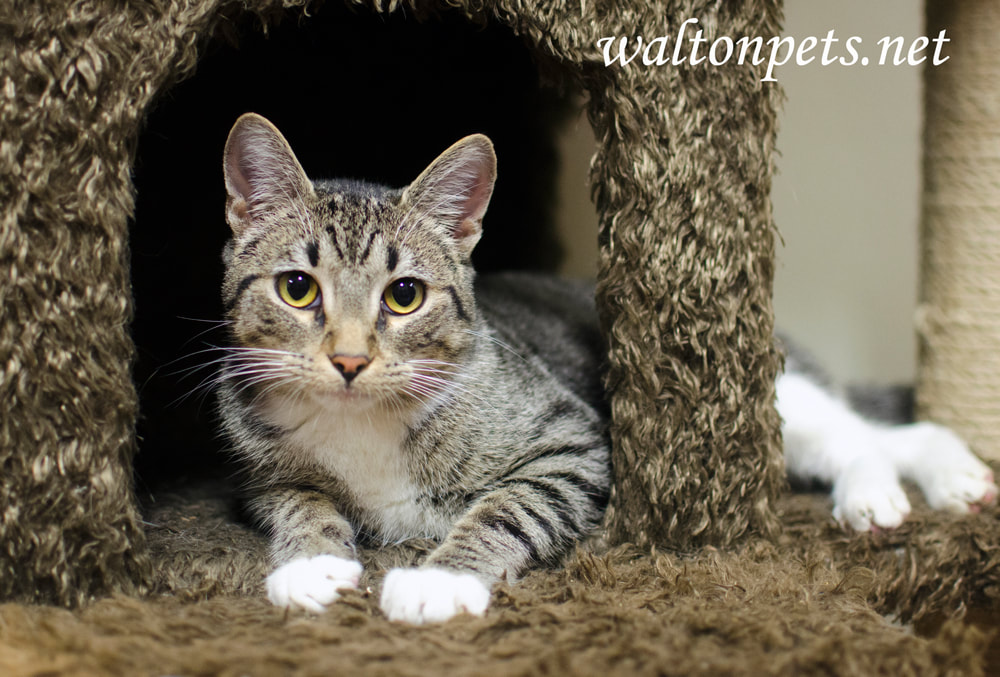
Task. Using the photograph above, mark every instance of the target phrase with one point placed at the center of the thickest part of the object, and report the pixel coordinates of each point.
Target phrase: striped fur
(478, 420)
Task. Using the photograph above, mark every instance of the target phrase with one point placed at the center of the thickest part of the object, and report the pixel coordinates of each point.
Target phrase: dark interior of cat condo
(358, 95)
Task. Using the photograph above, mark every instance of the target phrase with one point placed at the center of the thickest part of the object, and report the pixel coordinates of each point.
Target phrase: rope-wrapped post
(959, 313)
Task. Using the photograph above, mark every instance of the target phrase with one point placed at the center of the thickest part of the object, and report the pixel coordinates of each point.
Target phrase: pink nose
(350, 365)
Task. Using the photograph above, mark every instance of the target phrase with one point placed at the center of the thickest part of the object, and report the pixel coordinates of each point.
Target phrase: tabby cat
(377, 391)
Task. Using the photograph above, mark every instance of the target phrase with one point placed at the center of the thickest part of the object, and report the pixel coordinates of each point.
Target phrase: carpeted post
(682, 179)
(77, 79)
(959, 313)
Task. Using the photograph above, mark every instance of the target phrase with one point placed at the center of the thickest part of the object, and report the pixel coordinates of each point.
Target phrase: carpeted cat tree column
(682, 181)
(77, 78)
(959, 313)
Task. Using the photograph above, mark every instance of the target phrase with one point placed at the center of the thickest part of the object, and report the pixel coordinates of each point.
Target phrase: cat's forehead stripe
(368, 248)
(332, 232)
(361, 225)
(353, 245)
(312, 251)
(355, 228)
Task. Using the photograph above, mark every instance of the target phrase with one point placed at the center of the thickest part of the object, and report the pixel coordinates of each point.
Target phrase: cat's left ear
(261, 171)
(456, 189)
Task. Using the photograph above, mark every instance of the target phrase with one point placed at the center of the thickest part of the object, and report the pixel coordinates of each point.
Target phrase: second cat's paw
(949, 474)
(312, 583)
(867, 496)
(420, 596)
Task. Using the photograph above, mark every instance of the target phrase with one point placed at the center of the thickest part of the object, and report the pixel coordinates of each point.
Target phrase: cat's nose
(349, 365)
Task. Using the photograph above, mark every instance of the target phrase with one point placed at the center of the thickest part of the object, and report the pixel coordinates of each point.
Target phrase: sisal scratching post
(959, 315)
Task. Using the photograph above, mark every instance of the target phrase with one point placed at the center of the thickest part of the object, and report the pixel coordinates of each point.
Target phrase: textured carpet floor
(817, 601)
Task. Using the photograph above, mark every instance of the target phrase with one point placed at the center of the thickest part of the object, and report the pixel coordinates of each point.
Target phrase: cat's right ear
(261, 172)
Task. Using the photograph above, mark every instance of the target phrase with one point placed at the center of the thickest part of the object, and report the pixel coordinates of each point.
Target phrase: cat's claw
(312, 583)
(868, 497)
(421, 596)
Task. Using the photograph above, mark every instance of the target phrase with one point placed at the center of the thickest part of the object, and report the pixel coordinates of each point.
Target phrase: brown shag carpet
(816, 601)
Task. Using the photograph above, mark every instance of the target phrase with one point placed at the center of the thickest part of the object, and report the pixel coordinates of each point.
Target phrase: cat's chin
(347, 396)
(350, 399)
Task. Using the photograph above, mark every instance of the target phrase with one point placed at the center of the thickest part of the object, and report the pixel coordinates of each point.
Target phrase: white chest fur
(364, 449)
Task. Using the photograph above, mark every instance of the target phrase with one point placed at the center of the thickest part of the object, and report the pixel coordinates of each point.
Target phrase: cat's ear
(261, 171)
(456, 189)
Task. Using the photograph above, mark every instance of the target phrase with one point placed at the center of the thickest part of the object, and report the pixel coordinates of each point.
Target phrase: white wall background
(845, 197)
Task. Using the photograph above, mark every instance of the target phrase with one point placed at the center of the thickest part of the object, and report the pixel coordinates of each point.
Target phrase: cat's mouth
(351, 395)
(348, 393)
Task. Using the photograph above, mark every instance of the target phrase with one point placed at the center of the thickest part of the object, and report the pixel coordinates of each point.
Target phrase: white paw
(312, 583)
(867, 496)
(432, 595)
(949, 474)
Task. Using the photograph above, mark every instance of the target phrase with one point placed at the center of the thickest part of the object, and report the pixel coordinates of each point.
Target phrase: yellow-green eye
(297, 289)
(403, 296)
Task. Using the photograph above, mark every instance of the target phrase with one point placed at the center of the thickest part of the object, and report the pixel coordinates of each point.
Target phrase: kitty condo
(126, 547)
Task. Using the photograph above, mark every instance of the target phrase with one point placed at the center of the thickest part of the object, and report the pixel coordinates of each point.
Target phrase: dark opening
(358, 95)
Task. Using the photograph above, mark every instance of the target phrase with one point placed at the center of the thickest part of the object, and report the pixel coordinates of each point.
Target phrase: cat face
(350, 293)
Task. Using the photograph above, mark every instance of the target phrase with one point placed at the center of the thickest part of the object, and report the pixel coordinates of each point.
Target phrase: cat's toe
(989, 497)
(312, 583)
(871, 505)
(961, 493)
(950, 475)
(872, 515)
(420, 596)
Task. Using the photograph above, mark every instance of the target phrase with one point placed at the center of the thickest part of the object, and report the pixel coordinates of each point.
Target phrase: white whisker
(498, 342)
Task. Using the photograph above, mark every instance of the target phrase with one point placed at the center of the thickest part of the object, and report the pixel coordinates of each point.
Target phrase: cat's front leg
(457, 576)
(530, 518)
(312, 546)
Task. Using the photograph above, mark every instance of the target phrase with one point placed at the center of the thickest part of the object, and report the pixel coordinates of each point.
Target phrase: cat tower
(705, 565)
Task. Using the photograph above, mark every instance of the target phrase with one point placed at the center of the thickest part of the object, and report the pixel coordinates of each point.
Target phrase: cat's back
(550, 318)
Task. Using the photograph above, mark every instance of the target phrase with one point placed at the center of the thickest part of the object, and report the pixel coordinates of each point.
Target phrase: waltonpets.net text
(690, 46)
